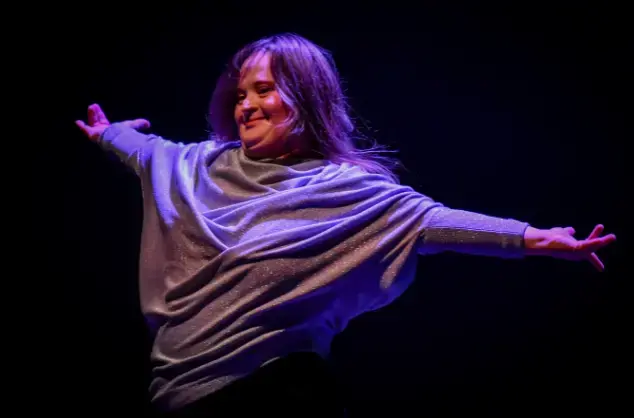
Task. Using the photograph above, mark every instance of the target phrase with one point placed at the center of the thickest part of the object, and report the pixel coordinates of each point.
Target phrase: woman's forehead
(258, 65)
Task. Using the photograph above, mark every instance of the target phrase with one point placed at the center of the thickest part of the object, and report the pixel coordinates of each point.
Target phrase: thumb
(137, 123)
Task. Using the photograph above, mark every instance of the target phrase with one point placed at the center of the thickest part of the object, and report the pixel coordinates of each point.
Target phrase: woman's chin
(255, 148)
(263, 147)
(251, 144)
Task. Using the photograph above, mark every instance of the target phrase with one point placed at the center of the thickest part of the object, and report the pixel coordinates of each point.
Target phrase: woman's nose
(247, 104)
(247, 109)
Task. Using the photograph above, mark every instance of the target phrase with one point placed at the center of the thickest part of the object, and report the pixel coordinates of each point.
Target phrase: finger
(593, 245)
(138, 123)
(570, 230)
(92, 114)
(596, 232)
(101, 116)
(82, 126)
(596, 262)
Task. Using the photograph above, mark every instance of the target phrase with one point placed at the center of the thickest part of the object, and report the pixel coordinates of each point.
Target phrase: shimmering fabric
(245, 261)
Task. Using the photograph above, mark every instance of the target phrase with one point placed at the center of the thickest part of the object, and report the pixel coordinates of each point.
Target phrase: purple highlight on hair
(309, 84)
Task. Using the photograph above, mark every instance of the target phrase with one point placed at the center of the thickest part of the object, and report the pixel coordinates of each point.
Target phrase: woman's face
(260, 113)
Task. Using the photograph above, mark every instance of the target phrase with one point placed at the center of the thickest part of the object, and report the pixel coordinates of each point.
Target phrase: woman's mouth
(252, 122)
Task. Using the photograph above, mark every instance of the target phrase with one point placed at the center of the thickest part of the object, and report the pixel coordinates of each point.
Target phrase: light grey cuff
(110, 133)
(472, 233)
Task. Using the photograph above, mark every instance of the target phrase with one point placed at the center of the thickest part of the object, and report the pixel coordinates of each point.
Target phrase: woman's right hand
(97, 123)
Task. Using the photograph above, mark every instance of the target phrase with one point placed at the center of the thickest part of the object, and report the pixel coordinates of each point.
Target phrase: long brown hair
(309, 84)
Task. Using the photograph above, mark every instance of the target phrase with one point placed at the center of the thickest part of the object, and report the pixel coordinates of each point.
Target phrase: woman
(259, 245)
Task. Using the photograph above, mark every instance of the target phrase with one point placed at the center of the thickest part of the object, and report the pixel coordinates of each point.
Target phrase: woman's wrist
(534, 240)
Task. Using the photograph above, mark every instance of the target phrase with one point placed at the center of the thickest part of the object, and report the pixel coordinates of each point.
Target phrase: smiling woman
(262, 243)
(294, 85)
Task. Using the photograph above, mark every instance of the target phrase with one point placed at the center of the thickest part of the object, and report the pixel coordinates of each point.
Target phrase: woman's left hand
(560, 243)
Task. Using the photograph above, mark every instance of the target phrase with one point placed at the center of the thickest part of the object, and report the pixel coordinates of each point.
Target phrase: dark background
(511, 112)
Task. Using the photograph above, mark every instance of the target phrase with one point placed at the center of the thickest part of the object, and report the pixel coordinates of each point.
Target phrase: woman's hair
(308, 83)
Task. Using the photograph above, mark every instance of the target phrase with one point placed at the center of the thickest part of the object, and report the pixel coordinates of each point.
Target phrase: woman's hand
(97, 123)
(560, 243)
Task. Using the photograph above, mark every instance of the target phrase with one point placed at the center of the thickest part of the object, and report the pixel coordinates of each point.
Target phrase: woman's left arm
(446, 229)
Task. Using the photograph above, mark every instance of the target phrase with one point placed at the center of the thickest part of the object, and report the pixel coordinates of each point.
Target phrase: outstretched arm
(446, 229)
